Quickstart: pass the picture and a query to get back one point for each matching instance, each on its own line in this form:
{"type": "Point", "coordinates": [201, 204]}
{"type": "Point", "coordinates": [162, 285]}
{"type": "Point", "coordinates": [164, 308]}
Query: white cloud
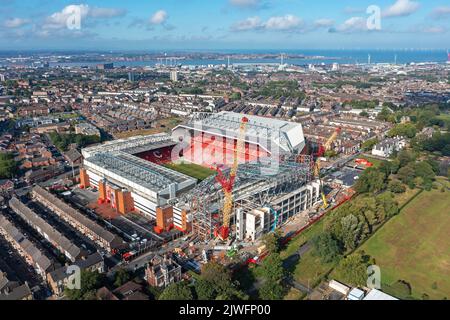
{"type": "Point", "coordinates": [15, 23]}
{"type": "Point", "coordinates": [159, 17]}
{"type": "Point", "coordinates": [287, 22]}
{"type": "Point", "coordinates": [251, 23]}
{"type": "Point", "coordinates": [245, 3]}
{"type": "Point", "coordinates": [279, 23]}
{"type": "Point", "coordinates": [441, 12]}
{"type": "Point", "coordinates": [322, 23]}
{"type": "Point", "coordinates": [401, 8]}
{"type": "Point", "coordinates": [106, 12]}
{"type": "Point", "coordinates": [59, 19]}
{"type": "Point", "coordinates": [354, 24]}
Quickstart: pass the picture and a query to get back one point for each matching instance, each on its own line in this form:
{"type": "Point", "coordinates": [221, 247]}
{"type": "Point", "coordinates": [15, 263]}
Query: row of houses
{"type": "Point", "coordinates": [59, 241]}
{"type": "Point", "coordinates": [91, 229]}
{"type": "Point", "coordinates": [33, 255]}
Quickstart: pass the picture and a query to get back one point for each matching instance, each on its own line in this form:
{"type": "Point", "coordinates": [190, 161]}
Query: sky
{"type": "Point", "coordinates": [224, 24]}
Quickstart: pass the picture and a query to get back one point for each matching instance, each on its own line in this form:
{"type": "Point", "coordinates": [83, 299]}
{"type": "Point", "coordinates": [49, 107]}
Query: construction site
{"type": "Point", "coordinates": [262, 180]}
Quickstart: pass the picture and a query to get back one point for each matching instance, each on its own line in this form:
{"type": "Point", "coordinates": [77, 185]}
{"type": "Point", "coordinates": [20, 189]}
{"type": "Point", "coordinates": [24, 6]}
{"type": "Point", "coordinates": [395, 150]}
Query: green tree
{"type": "Point", "coordinates": [121, 277]}
{"type": "Point", "coordinates": [369, 144]}
{"type": "Point", "coordinates": [327, 247]}
{"type": "Point", "coordinates": [371, 180]}
{"type": "Point", "coordinates": [205, 290]}
{"type": "Point", "coordinates": [271, 290]}
{"type": "Point", "coordinates": [8, 166]}
{"type": "Point", "coordinates": [272, 267]}
{"type": "Point", "coordinates": [90, 282]}
{"type": "Point", "coordinates": [396, 187]}
{"type": "Point", "coordinates": [406, 174]}
{"type": "Point", "coordinates": [217, 274]}
{"type": "Point", "coordinates": [272, 241]}
{"type": "Point", "coordinates": [404, 157]}
{"type": "Point", "coordinates": [353, 270]}
{"type": "Point", "coordinates": [177, 291]}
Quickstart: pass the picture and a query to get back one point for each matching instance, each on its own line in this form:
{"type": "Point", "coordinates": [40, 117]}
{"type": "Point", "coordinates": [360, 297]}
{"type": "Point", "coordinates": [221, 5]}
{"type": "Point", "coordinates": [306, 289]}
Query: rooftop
{"type": "Point", "coordinates": [288, 135]}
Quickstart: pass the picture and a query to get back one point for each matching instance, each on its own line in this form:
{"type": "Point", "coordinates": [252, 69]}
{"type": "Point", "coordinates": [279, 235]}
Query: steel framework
{"type": "Point", "coordinates": [255, 186]}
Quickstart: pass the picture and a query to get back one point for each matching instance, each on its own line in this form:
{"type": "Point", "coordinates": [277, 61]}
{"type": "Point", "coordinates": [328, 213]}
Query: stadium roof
{"type": "Point", "coordinates": [287, 135]}
{"type": "Point", "coordinates": [117, 160]}
{"type": "Point", "coordinates": [133, 145]}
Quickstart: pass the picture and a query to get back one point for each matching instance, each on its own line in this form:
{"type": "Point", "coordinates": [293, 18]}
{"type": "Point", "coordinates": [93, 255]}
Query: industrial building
{"type": "Point", "coordinates": [59, 241]}
{"type": "Point", "coordinates": [96, 233]}
{"type": "Point", "coordinates": [274, 181]}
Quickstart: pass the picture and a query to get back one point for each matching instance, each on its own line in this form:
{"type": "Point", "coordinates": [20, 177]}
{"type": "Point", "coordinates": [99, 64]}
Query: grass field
{"type": "Point", "coordinates": [415, 247]}
{"type": "Point", "coordinates": [192, 170]}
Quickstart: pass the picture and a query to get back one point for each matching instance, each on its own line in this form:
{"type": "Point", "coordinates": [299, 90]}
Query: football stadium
{"type": "Point", "coordinates": [244, 173]}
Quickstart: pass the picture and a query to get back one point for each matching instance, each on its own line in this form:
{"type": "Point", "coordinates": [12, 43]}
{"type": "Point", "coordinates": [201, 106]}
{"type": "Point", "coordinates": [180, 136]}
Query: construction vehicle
{"type": "Point", "coordinates": [322, 150]}
{"type": "Point", "coordinates": [228, 183]}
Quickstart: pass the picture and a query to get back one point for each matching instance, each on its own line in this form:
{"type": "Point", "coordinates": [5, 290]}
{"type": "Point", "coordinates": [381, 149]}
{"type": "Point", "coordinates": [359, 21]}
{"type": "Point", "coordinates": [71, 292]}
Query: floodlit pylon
{"type": "Point", "coordinates": [228, 184]}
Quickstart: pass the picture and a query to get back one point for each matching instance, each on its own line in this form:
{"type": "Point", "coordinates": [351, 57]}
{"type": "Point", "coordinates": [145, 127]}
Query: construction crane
{"type": "Point", "coordinates": [228, 183]}
{"type": "Point", "coordinates": [322, 150]}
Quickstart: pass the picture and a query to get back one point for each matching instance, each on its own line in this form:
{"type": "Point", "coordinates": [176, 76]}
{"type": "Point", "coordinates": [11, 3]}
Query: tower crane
{"type": "Point", "coordinates": [322, 149]}
{"type": "Point", "coordinates": [228, 184]}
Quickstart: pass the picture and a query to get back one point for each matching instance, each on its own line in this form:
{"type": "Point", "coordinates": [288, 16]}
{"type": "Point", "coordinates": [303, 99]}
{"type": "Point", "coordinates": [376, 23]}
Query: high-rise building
{"type": "Point", "coordinates": [105, 66]}
{"type": "Point", "coordinates": [174, 76]}
{"type": "Point", "coordinates": [131, 76]}
{"type": "Point", "coordinates": [2, 78]}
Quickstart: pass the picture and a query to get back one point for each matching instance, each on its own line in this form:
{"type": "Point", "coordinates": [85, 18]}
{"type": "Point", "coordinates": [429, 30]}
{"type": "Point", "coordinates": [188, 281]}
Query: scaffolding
{"type": "Point", "coordinates": [253, 188]}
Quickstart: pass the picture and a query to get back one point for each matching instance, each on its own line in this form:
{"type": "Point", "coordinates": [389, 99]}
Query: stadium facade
{"type": "Point", "coordinates": [271, 186]}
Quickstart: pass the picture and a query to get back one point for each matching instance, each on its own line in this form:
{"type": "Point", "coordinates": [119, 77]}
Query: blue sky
{"type": "Point", "coordinates": [223, 24]}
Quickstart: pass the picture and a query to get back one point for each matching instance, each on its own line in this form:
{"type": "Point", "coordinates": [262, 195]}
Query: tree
{"type": "Point", "coordinates": [272, 242]}
{"type": "Point", "coordinates": [90, 282]}
{"type": "Point", "coordinates": [352, 231]}
{"type": "Point", "coordinates": [371, 180]}
{"type": "Point", "coordinates": [327, 247]}
{"type": "Point", "coordinates": [404, 130]}
{"type": "Point", "coordinates": [205, 290]}
{"type": "Point", "coordinates": [364, 114]}
{"type": "Point", "coordinates": [218, 275]}
{"type": "Point", "coordinates": [8, 166]}
{"type": "Point", "coordinates": [396, 187]}
{"type": "Point", "coordinates": [353, 270]}
{"type": "Point", "coordinates": [121, 277]}
{"type": "Point", "coordinates": [177, 291]}
{"type": "Point", "coordinates": [386, 206]}
{"type": "Point", "coordinates": [369, 144]}
{"type": "Point", "coordinates": [404, 157]}
{"type": "Point", "coordinates": [406, 174]}
{"type": "Point", "coordinates": [272, 267]}
{"type": "Point", "coordinates": [271, 290]}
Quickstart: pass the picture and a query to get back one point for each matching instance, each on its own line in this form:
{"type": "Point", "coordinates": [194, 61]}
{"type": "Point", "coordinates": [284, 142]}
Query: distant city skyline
{"type": "Point", "coordinates": [224, 24]}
